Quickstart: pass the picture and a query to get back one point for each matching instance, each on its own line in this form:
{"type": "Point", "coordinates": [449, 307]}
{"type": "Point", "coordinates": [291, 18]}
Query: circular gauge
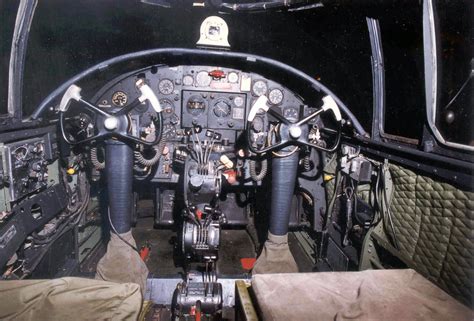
{"type": "Point", "coordinates": [233, 77]}
{"type": "Point", "coordinates": [259, 88]}
{"type": "Point", "coordinates": [275, 96]}
{"type": "Point", "coordinates": [203, 79]}
{"type": "Point", "coordinates": [166, 87]}
{"type": "Point", "coordinates": [167, 106]}
{"type": "Point", "coordinates": [291, 113]}
{"type": "Point", "coordinates": [222, 108]}
{"type": "Point", "coordinates": [119, 98]}
{"type": "Point", "coordinates": [238, 101]}
{"type": "Point", "coordinates": [196, 105]}
{"type": "Point", "coordinates": [20, 153]}
{"type": "Point", "coordinates": [188, 80]}
{"type": "Point", "coordinates": [169, 131]}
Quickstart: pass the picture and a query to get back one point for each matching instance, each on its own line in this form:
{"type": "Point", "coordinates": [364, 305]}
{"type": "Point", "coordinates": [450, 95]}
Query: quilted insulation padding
{"type": "Point", "coordinates": [434, 224]}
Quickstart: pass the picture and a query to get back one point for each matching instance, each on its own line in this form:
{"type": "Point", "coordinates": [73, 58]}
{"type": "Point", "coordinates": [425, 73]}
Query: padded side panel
{"type": "Point", "coordinates": [434, 226]}
{"type": "Point", "coordinates": [407, 221]}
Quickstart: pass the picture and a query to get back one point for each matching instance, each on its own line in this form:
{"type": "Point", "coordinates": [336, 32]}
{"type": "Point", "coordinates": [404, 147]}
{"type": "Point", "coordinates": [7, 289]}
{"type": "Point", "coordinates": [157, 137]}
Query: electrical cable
{"type": "Point", "coordinates": [118, 235]}
{"type": "Point", "coordinates": [253, 170]}
{"type": "Point", "coordinates": [273, 130]}
{"type": "Point", "coordinates": [149, 162]}
{"type": "Point", "coordinates": [95, 160]}
{"type": "Point", "coordinates": [307, 163]}
{"type": "Point", "coordinates": [280, 155]}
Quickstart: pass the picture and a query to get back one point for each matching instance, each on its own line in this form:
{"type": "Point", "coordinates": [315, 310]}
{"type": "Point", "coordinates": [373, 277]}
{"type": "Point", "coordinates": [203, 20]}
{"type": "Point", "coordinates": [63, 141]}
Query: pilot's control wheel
{"type": "Point", "coordinates": [100, 123]}
{"type": "Point", "coordinates": [299, 132]}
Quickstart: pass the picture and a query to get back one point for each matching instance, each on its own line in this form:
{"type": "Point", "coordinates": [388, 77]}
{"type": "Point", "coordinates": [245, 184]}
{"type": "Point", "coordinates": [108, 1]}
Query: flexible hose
{"type": "Point", "coordinates": [151, 161]}
{"type": "Point", "coordinates": [95, 161]}
{"type": "Point", "coordinates": [253, 170]}
{"type": "Point", "coordinates": [119, 169]}
{"type": "Point", "coordinates": [284, 172]}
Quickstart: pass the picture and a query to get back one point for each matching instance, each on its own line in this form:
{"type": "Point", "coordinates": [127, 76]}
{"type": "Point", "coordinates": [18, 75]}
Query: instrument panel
{"type": "Point", "coordinates": [207, 96]}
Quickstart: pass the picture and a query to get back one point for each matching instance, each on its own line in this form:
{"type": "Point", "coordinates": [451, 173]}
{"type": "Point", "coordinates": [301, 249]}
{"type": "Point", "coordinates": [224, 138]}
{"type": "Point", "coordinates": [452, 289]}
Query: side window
{"type": "Point", "coordinates": [454, 108]}
{"type": "Point", "coordinates": [402, 43]}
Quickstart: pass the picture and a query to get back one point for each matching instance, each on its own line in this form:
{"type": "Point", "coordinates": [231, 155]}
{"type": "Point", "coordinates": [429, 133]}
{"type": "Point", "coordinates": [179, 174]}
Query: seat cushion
{"type": "Point", "coordinates": [69, 299]}
{"type": "Point", "coordinates": [366, 295]}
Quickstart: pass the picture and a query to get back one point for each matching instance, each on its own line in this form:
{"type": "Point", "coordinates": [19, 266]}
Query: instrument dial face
{"type": "Point", "coordinates": [188, 80]}
{"type": "Point", "coordinates": [169, 130]}
{"type": "Point", "coordinates": [203, 79]}
{"type": "Point", "coordinates": [196, 105]}
{"type": "Point", "coordinates": [119, 98]}
{"type": "Point", "coordinates": [233, 77]}
{"type": "Point", "coordinates": [291, 113]}
{"type": "Point", "coordinates": [259, 88]}
{"type": "Point", "coordinates": [166, 87]}
{"type": "Point", "coordinates": [238, 101]}
{"type": "Point", "coordinates": [20, 153]}
{"type": "Point", "coordinates": [275, 96]}
{"type": "Point", "coordinates": [222, 108]}
{"type": "Point", "coordinates": [168, 107]}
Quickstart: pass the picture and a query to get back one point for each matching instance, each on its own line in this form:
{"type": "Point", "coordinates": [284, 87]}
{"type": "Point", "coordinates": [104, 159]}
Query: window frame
{"type": "Point", "coordinates": [378, 79]}
{"type": "Point", "coordinates": [431, 74]}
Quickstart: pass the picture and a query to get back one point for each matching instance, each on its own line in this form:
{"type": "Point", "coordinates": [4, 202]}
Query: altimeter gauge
{"type": "Point", "coordinates": [259, 88]}
{"type": "Point", "coordinates": [119, 98]}
{"type": "Point", "coordinates": [166, 87]}
{"type": "Point", "coordinates": [275, 96]}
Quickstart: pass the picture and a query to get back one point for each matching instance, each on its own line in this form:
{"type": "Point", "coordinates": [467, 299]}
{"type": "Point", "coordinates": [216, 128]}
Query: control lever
{"type": "Point", "coordinates": [349, 195]}
{"type": "Point", "coordinates": [148, 94]}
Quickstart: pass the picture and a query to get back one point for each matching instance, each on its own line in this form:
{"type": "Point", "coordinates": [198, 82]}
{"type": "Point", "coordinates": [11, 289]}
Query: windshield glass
{"type": "Point", "coordinates": [328, 44]}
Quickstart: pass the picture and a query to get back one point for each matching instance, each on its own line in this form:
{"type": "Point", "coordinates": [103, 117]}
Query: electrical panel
{"type": "Point", "coordinates": [24, 166]}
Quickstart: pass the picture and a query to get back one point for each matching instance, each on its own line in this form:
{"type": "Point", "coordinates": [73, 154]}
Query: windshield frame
{"type": "Point", "coordinates": [21, 30]}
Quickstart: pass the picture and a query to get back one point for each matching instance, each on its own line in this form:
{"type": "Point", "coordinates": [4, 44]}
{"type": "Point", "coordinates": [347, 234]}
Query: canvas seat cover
{"type": "Point", "coordinates": [121, 263]}
{"type": "Point", "coordinates": [69, 298]}
{"type": "Point", "coordinates": [276, 256]}
{"type": "Point", "coordinates": [368, 295]}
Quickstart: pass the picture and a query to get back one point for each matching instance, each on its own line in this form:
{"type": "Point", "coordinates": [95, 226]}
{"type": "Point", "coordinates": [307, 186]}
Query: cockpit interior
{"type": "Point", "coordinates": [256, 160]}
